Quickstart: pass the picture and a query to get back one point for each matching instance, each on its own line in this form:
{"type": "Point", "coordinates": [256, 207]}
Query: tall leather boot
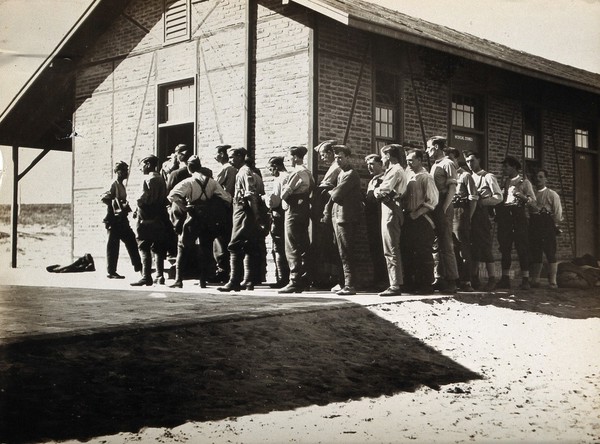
{"type": "Point", "coordinates": [283, 269]}
{"type": "Point", "coordinates": [248, 281]}
{"type": "Point", "coordinates": [236, 262]}
{"type": "Point", "coordinates": [146, 279]}
{"type": "Point", "coordinates": [160, 268]}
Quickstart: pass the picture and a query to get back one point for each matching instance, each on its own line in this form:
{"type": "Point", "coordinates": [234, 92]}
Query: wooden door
{"type": "Point", "coordinates": [586, 204]}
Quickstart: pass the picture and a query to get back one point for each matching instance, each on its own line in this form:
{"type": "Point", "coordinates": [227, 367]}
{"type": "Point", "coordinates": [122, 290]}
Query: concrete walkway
{"type": "Point", "coordinates": [35, 304]}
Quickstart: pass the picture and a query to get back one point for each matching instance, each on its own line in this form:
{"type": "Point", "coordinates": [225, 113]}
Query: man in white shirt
{"type": "Point", "coordinates": [543, 227]}
{"type": "Point", "coordinates": [481, 226]}
{"type": "Point", "coordinates": [389, 193]}
{"type": "Point", "coordinates": [193, 191]}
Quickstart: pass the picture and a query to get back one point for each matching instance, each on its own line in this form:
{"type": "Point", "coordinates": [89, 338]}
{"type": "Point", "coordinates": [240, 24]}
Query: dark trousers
{"type": "Point", "coordinates": [297, 240]}
{"type": "Point", "coordinates": [118, 233]}
{"type": "Point", "coordinates": [542, 238]}
{"type": "Point", "coordinates": [221, 248]}
{"type": "Point", "coordinates": [481, 236]}
{"type": "Point", "coordinates": [462, 242]}
{"type": "Point", "coordinates": [416, 246]}
{"type": "Point", "coordinates": [346, 242]}
{"type": "Point", "coordinates": [282, 268]}
{"type": "Point", "coordinates": [513, 228]}
{"type": "Point", "coordinates": [244, 242]}
{"type": "Point", "coordinates": [148, 249]}
{"type": "Point", "coordinates": [188, 253]}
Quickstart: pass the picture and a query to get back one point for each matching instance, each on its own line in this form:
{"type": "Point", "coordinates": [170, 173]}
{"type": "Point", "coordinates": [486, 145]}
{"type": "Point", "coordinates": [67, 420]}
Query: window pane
{"type": "Point", "coordinates": [463, 111]}
{"type": "Point", "coordinates": [581, 138]}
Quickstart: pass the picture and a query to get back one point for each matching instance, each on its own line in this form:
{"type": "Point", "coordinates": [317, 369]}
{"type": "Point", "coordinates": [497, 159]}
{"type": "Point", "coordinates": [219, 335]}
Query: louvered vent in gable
{"type": "Point", "coordinates": [177, 20]}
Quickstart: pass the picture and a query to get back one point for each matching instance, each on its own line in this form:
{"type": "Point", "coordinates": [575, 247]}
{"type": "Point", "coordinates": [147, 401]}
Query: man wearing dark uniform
{"type": "Point", "coordinates": [273, 201]}
{"type": "Point", "coordinates": [245, 219]}
{"type": "Point", "coordinates": [117, 224]}
{"type": "Point", "coordinates": [296, 197]}
{"type": "Point", "coordinates": [152, 222]}
{"type": "Point", "coordinates": [176, 162]}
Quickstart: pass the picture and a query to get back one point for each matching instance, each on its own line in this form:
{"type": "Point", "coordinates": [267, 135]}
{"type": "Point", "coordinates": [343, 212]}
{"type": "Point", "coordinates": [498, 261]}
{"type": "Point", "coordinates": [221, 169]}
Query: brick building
{"type": "Point", "coordinates": [144, 75]}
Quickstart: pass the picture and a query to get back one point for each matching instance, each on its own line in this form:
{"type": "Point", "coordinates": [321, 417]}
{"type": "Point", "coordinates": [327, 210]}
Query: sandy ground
{"type": "Point", "coordinates": [528, 366]}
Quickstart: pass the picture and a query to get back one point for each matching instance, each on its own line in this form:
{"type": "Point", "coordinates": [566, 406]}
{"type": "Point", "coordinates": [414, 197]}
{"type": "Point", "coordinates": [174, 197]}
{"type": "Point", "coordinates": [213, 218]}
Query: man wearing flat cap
{"type": "Point", "coordinates": [175, 161]}
{"type": "Point", "coordinates": [188, 194]}
{"type": "Point", "coordinates": [344, 211]}
{"type": "Point", "coordinates": [245, 219]}
{"type": "Point", "coordinates": [389, 193]}
{"type": "Point", "coordinates": [373, 221]}
{"type": "Point", "coordinates": [117, 224]}
{"type": "Point", "coordinates": [274, 203]}
{"type": "Point", "coordinates": [296, 202]}
{"type": "Point", "coordinates": [152, 222]}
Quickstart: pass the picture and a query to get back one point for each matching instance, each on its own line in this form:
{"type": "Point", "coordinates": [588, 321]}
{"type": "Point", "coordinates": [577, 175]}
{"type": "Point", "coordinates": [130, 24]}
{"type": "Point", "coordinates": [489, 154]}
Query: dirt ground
{"type": "Point", "coordinates": [502, 367]}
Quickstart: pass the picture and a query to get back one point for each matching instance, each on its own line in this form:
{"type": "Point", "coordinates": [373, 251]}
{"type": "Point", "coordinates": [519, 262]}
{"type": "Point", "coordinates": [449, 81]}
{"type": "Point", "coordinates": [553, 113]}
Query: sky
{"type": "Point", "coordinates": [566, 31]}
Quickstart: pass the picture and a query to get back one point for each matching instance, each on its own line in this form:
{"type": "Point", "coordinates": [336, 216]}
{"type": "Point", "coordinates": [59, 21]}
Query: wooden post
{"type": "Point", "coordinates": [15, 206]}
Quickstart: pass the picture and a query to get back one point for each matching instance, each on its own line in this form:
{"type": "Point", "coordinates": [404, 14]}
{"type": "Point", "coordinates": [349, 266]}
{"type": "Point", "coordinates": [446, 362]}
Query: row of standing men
{"type": "Point", "coordinates": [427, 231]}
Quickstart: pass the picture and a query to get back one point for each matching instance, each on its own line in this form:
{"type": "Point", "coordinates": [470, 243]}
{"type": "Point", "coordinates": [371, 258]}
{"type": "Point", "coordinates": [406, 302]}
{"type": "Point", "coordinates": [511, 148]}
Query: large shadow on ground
{"type": "Point", "coordinates": [85, 386]}
{"type": "Point", "coordinates": [563, 302]}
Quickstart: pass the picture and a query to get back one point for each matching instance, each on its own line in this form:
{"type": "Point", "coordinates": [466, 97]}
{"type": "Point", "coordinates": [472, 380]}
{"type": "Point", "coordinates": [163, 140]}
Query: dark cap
{"type": "Point", "coordinates": [151, 159]}
{"type": "Point", "coordinates": [375, 157]}
{"type": "Point", "coordinates": [222, 149]}
{"type": "Point", "coordinates": [181, 148]}
{"type": "Point", "coordinates": [342, 149]}
{"type": "Point", "coordinates": [326, 145]}
{"type": "Point", "coordinates": [299, 151]}
{"type": "Point", "coordinates": [120, 166]}
{"type": "Point", "coordinates": [275, 161]}
{"type": "Point", "coordinates": [194, 160]}
{"type": "Point", "coordinates": [237, 152]}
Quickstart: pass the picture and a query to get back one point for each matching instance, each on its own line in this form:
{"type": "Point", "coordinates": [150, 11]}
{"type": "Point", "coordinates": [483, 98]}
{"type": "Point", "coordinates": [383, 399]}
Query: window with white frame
{"type": "Point", "coordinates": [176, 115]}
{"type": "Point", "coordinates": [464, 110]}
{"type": "Point", "coordinates": [177, 20]}
{"type": "Point", "coordinates": [386, 110]}
{"type": "Point", "coordinates": [532, 147]}
{"type": "Point", "coordinates": [467, 124]}
{"type": "Point", "coordinates": [529, 146]}
{"type": "Point", "coordinates": [582, 138]}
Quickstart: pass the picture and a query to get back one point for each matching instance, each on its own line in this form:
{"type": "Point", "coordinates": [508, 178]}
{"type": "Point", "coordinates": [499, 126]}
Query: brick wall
{"type": "Point", "coordinates": [116, 93]}
{"type": "Point", "coordinates": [117, 88]}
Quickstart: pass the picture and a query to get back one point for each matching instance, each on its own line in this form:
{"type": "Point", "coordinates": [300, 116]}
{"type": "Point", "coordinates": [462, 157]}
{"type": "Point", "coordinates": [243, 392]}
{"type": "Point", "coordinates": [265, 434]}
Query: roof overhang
{"type": "Point", "coordinates": [498, 55]}
{"type": "Point", "coordinates": [39, 115]}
